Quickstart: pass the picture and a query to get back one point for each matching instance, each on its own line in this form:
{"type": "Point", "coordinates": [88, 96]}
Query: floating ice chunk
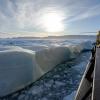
{"type": "Point", "coordinates": [18, 69]}
{"type": "Point", "coordinates": [48, 58]}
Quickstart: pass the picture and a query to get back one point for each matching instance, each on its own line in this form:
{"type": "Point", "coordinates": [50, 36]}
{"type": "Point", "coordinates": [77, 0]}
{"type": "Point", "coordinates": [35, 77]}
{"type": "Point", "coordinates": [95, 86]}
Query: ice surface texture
{"type": "Point", "coordinates": [17, 69]}
{"type": "Point", "coordinates": [20, 67]}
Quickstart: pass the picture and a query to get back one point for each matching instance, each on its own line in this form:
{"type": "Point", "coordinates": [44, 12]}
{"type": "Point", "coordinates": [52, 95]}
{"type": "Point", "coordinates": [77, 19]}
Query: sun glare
{"type": "Point", "coordinates": [52, 22]}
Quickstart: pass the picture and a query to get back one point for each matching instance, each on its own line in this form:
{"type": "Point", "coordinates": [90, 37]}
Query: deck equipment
{"type": "Point", "coordinates": [89, 88]}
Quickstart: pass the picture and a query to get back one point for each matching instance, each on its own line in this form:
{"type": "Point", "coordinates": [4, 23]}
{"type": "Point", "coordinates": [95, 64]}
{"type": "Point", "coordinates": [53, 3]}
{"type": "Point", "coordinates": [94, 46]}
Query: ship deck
{"type": "Point", "coordinates": [96, 81]}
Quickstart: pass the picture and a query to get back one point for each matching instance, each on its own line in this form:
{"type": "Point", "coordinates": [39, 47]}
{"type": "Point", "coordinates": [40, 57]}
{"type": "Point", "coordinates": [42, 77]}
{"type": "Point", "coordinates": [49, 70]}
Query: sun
{"type": "Point", "coordinates": [52, 22]}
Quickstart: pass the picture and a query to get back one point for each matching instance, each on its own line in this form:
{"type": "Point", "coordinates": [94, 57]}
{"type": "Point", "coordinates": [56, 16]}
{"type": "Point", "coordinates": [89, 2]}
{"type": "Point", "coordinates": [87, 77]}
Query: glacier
{"type": "Point", "coordinates": [20, 66]}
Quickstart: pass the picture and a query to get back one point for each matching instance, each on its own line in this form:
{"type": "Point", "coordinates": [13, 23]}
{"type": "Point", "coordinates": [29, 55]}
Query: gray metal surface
{"type": "Point", "coordinates": [96, 81]}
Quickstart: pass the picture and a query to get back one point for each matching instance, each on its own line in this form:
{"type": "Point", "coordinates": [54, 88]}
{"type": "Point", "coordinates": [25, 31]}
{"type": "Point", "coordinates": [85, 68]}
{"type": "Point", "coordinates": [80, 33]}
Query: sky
{"type": "Point", "coordinates": [48, 17]}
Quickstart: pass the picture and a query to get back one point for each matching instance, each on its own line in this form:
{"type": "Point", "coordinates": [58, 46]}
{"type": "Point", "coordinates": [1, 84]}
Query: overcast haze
{"type": "Point", "coordinates": [36, 17]}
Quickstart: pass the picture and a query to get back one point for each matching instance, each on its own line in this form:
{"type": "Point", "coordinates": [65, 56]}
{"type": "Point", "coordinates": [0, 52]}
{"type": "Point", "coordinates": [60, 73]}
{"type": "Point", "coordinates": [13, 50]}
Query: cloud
{"type": "Point", "coordinates": [24, 15]}
{"type": "Point", "coordinates": [28, 11]}
{"type": "Point", "coordinates": [87, 13]}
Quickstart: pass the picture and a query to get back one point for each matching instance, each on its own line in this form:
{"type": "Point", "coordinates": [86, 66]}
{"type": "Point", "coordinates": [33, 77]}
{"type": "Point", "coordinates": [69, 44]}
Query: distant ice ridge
{"type": "Point", "coordinates": [19, 67]}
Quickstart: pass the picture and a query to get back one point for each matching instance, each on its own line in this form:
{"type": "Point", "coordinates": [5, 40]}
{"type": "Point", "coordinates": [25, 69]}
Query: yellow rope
{"type": "Point", "coordinates": [98, 39]}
